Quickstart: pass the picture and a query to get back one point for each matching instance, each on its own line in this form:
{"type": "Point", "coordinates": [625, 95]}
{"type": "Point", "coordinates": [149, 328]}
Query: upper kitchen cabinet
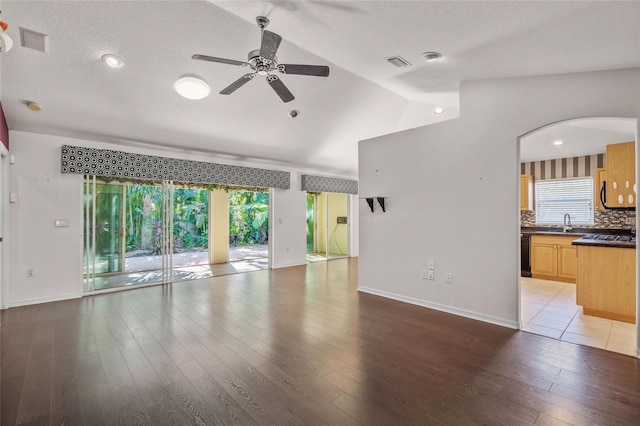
{"type": "Point", "coordinates": [526, 192]}
{"type": "Point", "coordinates": [621, 175]}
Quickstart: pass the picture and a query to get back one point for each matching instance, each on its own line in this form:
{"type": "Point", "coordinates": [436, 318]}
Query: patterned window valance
{"type": "Point", "coordinates": [108, 163]}
{"type": "Point", "coordinates": [327, 184]}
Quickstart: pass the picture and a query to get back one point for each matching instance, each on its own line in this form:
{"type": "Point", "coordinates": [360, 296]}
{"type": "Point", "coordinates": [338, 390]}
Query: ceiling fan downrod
{"type": "Point", "coordinates": [262, 22]}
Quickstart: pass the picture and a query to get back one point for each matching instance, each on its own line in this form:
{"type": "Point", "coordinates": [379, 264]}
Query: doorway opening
{"type": "Point", "coordinates": [327, 226]}
{"type": "Point", "coordinates": [248, 230]}
{"type": "Point", "coordinates": [563, 168]}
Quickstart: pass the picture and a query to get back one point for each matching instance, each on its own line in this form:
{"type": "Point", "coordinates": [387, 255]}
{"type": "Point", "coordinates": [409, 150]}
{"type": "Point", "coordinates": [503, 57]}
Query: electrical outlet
{"type": "Point", "coordinates": [425, 274]}
{"type": "Point", "coordinates": [430, 274]}
{"type": "Point", "coordinates": [430, 264]}
{"type": "Point", "coordinates": [30, 273]}
{"type": "Point", "coordinates": [630, 220]}
{"type": "Point", "coordinates": [448, 277]}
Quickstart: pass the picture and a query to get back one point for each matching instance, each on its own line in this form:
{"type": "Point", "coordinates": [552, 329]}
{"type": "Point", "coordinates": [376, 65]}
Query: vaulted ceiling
{"type": "Point", "coordinates": [364, 95]}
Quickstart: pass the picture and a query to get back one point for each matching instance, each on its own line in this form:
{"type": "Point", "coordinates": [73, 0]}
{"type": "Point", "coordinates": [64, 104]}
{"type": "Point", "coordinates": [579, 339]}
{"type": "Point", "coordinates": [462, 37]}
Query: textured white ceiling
{"type": "Point", "coordinates": [363, 97]}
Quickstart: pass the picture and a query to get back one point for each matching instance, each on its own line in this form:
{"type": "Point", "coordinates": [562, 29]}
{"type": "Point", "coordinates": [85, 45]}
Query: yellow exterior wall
{"type": "Point", "coordinates": [338, 233]}
{"type": "Point", "coordinates": [321, 222]}
{"type": "Point", "coordinates": [219, 226]}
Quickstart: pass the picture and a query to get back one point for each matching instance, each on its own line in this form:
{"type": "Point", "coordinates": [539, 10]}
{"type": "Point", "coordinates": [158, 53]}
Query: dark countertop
{"type": "Point", "coordinates": [546, 230]}
{"type": "Point", "coordinates": [617, 241]}
{"type": "Point", "coordinates": [620, 238]}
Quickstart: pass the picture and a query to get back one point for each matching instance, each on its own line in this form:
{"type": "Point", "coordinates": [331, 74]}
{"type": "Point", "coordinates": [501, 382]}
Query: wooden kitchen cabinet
{"type": "Point", "coordinates": [567, 262]}
{"type": "Point", "coordinates": [621, 175]}
{"type": "Point", "coordinates": [553, 257]}
{"type": "Point", "coordinates": [599, 178]}
{"type": "Point", "coordinates": [526, 192]}
{"type": "Point", "coordinates": [544, 259]}
{"type": "Point", "coordinates": [606, 284]}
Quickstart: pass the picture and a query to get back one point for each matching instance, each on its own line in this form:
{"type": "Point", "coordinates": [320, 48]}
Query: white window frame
{"type": "Point", "coordinates": [577, 200]}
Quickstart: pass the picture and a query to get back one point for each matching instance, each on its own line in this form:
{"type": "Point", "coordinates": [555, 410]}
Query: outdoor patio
{"type": "Point", "coordinates": [187, 266]}
{"type": "Point", "coordinates": [192, 258]}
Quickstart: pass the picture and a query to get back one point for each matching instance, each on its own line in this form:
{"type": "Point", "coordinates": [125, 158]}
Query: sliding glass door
{"type": "Point", "coordinates": [103, 247]}
{"type": "Point", "coordinates": [128, 236]}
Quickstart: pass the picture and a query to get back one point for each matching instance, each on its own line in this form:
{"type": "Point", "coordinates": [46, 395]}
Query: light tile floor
{"type": "Point", "coordinates": [549, 309]}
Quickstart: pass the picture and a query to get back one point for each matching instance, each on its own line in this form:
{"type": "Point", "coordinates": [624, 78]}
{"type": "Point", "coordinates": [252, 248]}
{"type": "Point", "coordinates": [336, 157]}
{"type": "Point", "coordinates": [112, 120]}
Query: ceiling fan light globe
{"type": "Point", "coordinates": [192, 88]}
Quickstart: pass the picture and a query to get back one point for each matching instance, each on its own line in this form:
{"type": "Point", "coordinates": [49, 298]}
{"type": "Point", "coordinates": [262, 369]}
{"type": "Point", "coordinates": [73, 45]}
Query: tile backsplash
{"type": "Point", "coordinates": [606, 219]}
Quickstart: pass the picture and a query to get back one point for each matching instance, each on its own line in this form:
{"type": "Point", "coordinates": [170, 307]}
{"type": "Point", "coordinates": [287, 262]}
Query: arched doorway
{"type": "Point", "coordinates": [563, 167]}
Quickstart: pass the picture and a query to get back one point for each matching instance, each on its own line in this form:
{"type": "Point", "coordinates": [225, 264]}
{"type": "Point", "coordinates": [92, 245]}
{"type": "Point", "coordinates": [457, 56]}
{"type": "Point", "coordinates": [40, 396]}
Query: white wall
{"type": "Point", "coordinates": [354, 225]}
{"type": "Point", "coordinates": [55, 254]}
{"type": "Point", "coordinates": [44, 195]}
{"type": "Point", "coordinates": [452, 191]}
{"type": "Point", "coordinates": [289, 225]}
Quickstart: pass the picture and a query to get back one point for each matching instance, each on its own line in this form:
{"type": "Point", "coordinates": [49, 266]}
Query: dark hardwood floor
{"type": "Point", "coordinates": [294, 346]}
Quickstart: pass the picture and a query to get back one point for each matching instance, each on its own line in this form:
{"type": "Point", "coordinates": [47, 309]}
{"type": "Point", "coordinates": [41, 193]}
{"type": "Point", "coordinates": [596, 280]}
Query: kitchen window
{"type": "Point", "coordinates": [557, 197]}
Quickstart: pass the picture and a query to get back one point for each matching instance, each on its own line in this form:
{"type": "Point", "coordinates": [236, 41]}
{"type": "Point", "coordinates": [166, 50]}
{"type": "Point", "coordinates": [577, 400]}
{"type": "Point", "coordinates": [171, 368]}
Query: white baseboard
{"type": "Point", "coordinates": [26, 302]}
{"type": "Point", "coordinates": [444, 308]}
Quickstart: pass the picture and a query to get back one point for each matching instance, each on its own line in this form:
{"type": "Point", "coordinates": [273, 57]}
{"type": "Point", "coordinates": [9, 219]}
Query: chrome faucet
{"type": "Point", "coordinates": [567, 223]}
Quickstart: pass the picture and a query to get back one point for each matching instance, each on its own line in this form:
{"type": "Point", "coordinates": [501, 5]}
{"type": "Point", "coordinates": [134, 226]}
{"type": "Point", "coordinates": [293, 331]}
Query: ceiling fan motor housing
{"type": "Point", "coordinates": [259, 64]}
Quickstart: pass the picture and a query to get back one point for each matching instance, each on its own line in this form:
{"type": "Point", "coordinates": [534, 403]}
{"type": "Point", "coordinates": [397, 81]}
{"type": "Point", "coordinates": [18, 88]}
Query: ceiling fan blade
{"type": "Point", "coordinates": [316, 70]}
{"type": "Point", "coordinates": [280, 88]}
{"type": "Point", "coordinates": [237, 84]}
{"type": "Point", "coordinates": [220, 60]}
{"type": "Point", "coordinates": [270, 43]}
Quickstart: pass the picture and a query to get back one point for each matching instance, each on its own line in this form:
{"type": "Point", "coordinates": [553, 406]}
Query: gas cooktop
{"type": "Point", "coordinates": [609, 238]}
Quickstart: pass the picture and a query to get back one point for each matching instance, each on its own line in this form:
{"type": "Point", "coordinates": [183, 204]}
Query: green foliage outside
{"type": "Point", "coordinates": [144, 218]}
{"type": "Point", "coordinates": [311, 201]}
{"type": "Point", "coordinates": [248, 217]}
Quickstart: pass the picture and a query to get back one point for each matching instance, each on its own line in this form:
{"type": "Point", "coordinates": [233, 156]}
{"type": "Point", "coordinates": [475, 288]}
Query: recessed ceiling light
{"type": "Point", "coordinates": [558, 143]}
{"type": "Point", "coordinates": [112, 60]}
{"type": "Point", "coordinates": [438, 110]}
{"type": "Point", "coordinates": [432, 56]}
{"type": "Point", "coordinates": [192, 88]}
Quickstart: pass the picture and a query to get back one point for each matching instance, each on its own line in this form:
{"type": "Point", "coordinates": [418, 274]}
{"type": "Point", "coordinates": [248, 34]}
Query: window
{"type": "Point", "coordinates": [555, 198]}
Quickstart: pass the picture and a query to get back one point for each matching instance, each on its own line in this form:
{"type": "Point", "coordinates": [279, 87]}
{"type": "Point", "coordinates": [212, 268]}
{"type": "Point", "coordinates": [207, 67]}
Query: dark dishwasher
{"type": "Point", "coordinates": [525, 255]}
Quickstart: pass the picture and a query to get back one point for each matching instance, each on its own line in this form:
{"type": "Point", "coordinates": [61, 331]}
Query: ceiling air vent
{"type": "Point", "coordinates": [398, 61]}
{"type": "Point", "coordinates": [34, 40]}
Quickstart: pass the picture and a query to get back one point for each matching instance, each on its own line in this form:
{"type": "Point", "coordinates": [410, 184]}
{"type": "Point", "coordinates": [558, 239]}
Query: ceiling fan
{"type": "Point", "coordinates": [263, 61]}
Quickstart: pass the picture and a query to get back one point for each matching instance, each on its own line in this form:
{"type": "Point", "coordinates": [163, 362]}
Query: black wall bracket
{"type": "Point", "coordinates": [370, 202]}
{"type": "Point", "coordinates": [380, 201]}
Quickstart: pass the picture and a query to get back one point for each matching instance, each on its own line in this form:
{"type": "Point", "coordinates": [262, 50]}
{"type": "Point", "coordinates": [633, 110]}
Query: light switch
{"type": "Point", "coordinates": [62, 223]}
{"type": "Point", "coordinates": [13, 197]}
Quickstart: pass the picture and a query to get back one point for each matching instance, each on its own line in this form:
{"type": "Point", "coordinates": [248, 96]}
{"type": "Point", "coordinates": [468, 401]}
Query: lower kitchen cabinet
{"type": "Point", "coordinates": [554, 258]}
{"type": "Point", "coordinates": [567, 262]}
{"type": "Point", "coordinates": [606, 285]}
